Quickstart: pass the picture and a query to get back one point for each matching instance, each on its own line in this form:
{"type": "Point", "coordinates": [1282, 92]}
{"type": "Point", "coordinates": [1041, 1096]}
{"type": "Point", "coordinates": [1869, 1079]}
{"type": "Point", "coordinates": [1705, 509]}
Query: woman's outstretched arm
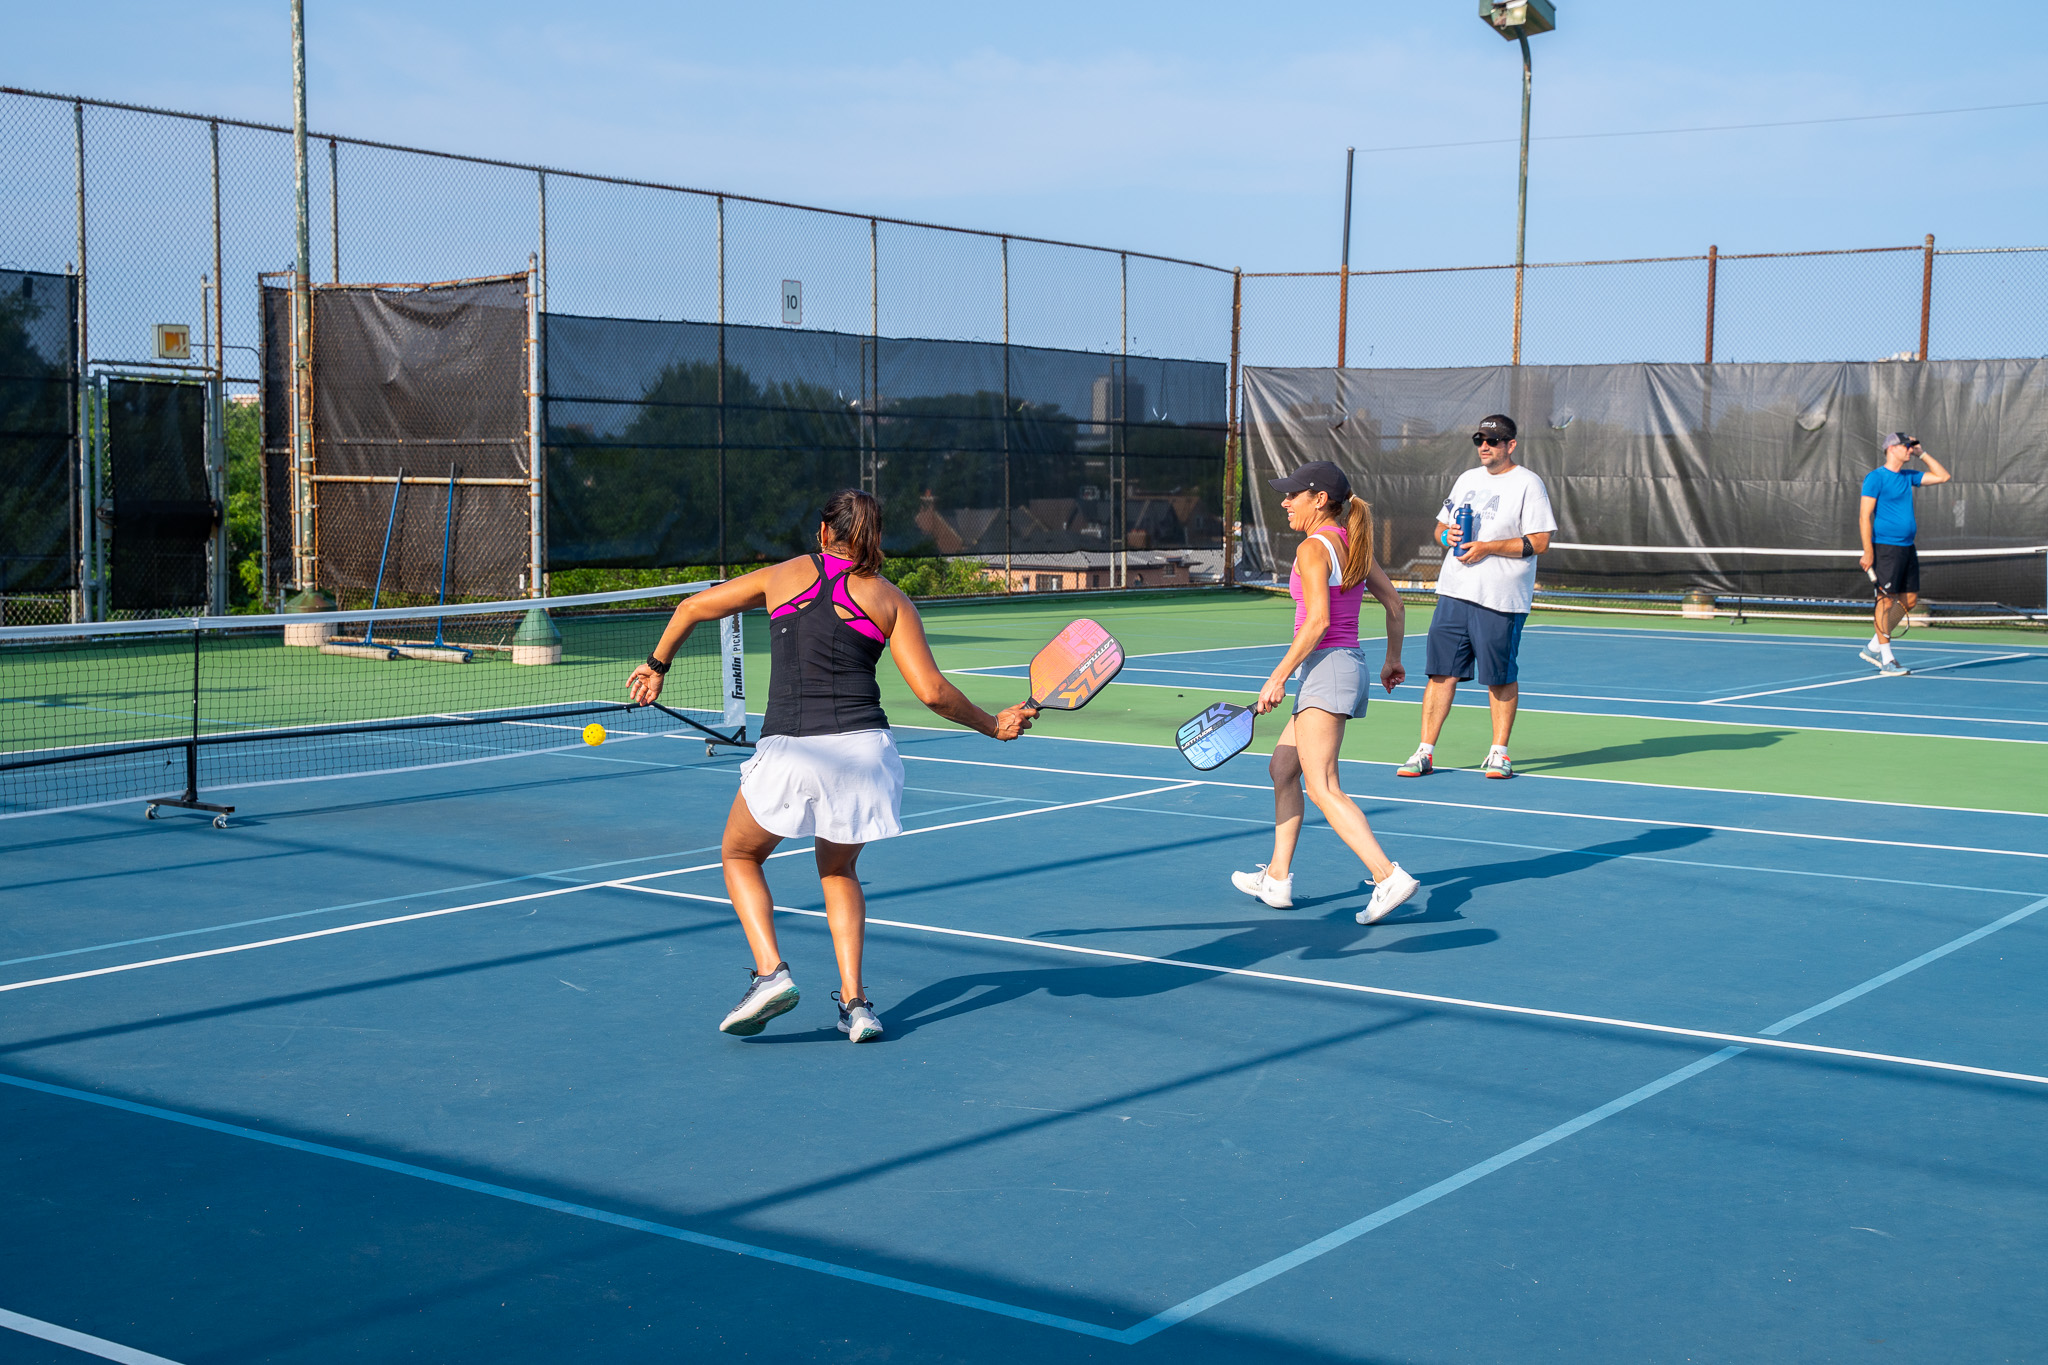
{"type": "Point", "coordinates": [722, 599]}
{"type": "Point", "coordinates": [914, 659]}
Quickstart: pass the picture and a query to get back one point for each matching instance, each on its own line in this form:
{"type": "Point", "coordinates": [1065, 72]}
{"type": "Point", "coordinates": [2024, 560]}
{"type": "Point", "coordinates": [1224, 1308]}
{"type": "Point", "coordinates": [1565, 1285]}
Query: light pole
{"type": "Point", "coordinates": [1518, 19]}
{"type": "Point", "coordinates": [302, 324]}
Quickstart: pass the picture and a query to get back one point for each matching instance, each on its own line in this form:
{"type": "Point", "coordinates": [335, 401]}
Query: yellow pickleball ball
{"type": "Point", "coordinates": [593, 733]}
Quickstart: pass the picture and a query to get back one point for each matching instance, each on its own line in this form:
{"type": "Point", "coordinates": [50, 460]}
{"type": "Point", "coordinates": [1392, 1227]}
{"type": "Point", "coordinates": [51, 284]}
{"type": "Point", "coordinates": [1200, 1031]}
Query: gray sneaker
{"type": "Point", "coordinates": [1892, 668]}
{"type": "Point", "coordinates": [766, 997]}
{"type": "Point", "coordinates": [1388, 895]}
{"type": "Point", "coordinates": [857, 1020]}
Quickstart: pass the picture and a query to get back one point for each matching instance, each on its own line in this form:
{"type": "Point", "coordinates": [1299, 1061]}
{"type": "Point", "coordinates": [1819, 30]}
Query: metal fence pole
{"type": "Point", "coordinates": [1926, 294]}
{"type": "Point", "coordinates": [722, 560]}
{"type": "Point", "coordinates": [1009, 515]}
{"type": "Point", "coordinates": [1233, 443]}
{"type": "Point", "coordinates": [302, 319]}
{"type": "Point", "coordinates": [1713, 272]}
{"type": "Point", "coordinates": [1344, 268]}
{"type": "Point", "coordinates": [533, 429]}
{"type": "Point", "coordinates": [88, 490]}
{"type": "Point", "coordinates": [542, 178]}
{"type": "Point", "coordinates": [334, 205]}
{"type": "Point", "coordinates": [223, 545]}
{"type": "Point", "coordinates": [1117, 491]}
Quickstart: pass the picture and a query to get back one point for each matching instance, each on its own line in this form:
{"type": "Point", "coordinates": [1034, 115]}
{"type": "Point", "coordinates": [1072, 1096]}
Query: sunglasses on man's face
{"type": "Point", "coordinates": [1489, 440]}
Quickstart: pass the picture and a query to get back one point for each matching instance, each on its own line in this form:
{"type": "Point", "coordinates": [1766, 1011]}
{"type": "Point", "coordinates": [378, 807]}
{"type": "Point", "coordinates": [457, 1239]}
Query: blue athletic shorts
{"type": "Point", "coordinates": [1469, 641]}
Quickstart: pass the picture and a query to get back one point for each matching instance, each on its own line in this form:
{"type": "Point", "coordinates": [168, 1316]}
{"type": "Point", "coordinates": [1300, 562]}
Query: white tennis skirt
{"type": "Point", "coordinates": [847, 789]}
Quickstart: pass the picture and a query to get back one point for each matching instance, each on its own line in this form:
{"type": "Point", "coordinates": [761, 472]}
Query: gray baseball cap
{"type": "Point", "coordinates": [1897, 438]}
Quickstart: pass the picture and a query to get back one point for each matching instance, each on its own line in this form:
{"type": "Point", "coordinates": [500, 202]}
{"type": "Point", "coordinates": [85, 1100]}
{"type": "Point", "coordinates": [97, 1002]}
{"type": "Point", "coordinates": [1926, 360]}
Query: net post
{"type": "Point", "coordinates": [1926, 292]}
{"type": "Point", "coordinates": [732, 640]}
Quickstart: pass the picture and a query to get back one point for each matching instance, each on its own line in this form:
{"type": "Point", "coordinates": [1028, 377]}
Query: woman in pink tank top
{"type": "Point", "coordinates": [1333, 570]}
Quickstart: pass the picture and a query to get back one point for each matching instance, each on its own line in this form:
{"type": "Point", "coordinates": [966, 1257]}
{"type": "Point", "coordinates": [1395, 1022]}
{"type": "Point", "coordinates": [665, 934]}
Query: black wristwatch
{"type": "Point", "coordinates": [1528, 548]}
{"type": "Point", "coordinates": [657, 665]}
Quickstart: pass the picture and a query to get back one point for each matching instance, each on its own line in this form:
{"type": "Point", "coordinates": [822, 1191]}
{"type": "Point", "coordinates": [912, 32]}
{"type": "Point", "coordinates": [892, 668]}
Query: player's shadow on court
{"type": "Point", "coordinates": [1661, 746]}
{"type": "Point", "coordinates": [1446, 891]}
{"type": "Point", "coordinates": [1254, 943]}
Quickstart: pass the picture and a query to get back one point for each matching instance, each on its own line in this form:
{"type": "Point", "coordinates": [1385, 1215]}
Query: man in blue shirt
{"type": "Point", "coordinates": [1886, 520]}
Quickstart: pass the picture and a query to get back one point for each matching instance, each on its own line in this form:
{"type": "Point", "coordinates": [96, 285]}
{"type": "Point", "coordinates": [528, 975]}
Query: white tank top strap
{"type": "Point", "coordinates": [1336, 561]}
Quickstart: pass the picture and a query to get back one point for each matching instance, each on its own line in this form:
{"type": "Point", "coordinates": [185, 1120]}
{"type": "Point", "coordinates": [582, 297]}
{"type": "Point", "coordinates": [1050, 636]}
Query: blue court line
{"type": "Point", "coordinates": [552, 1205]}
{"type": "Point", "coordinates": [1588, 853]}
{"type": "Point", "coordinates": [1350, 1232]}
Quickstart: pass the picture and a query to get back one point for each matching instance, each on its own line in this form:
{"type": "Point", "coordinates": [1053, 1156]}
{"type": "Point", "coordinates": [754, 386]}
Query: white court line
{"type": "Point", "coordinates": [1793, 641]}
{"type": "Point", "coordinates": [1472, 705]}
{"type": "Point", "coordinates": [1492, 1007]}
{"type": "Point", "coordinates": [1557, 814]}
{"type": "Point", "coordinates": [622, 883]}
{"type": "Point", "coordinates": [1861, 677]}
{"type": "Point", "coordinates": [1591, 853]}
{"type": "Point", "coordinates": [79, 1341]}
{"type": "Point", "coordinates": [1995, 682]}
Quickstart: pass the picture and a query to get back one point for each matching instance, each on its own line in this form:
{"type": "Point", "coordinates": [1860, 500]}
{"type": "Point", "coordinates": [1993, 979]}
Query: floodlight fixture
{"type": "Point", "coordinates": [1514, 19]}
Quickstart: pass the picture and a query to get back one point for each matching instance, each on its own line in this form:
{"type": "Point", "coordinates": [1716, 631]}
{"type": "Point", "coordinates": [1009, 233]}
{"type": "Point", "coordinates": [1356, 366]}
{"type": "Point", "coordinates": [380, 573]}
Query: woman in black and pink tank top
{"type": "Point", "coordinates": [1333, 570]}
{"type": "Point", "coordinates": [825, 766]}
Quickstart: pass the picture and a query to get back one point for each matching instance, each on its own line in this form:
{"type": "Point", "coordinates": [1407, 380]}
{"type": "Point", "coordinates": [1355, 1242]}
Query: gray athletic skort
{"type": "Point", "coordinates": [1333, 680]}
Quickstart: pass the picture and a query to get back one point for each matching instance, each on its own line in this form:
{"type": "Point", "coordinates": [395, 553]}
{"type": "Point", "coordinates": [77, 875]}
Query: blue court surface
{"type": "Point", "coordinates": [1959, 690]}
{"type": "Point", "coordinates": [424, 1066]}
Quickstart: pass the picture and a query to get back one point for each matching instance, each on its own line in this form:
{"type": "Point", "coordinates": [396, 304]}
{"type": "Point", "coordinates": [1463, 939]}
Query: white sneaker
{"type": "Point", "coordinates": [1277, 892]}
{"type": "Point", "coordinates": [857, 1020]}
{"type": "Point", "coordinates": [766, 997]}
{"type": "Point", "coordinates": [1388, 895]}
{"type": "Point", "coordinates": [1871, 657]}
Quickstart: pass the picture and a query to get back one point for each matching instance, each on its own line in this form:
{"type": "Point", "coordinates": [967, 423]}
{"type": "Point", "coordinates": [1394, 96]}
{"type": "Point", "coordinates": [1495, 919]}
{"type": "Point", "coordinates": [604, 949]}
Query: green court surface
{"type": "Point", "coordinates": [1795, 757]}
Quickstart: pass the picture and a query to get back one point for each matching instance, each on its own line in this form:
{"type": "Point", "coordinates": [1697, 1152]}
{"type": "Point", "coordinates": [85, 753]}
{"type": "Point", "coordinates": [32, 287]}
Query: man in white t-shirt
{"type": "Point", "coordinates": [1484, 591]}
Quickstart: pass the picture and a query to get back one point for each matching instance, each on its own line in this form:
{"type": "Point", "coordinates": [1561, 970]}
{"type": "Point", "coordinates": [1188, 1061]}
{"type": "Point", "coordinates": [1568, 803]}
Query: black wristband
{"type": "Point", "coordinates": [657, 665]}
{"type": "Point", "coordinates": [1528, 549]}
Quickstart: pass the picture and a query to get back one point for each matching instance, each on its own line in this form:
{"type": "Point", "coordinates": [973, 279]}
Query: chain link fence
{"type": "Point", "coordinates": [1879, 303]}
{"type": "Point", "coordinates": [168, 217]}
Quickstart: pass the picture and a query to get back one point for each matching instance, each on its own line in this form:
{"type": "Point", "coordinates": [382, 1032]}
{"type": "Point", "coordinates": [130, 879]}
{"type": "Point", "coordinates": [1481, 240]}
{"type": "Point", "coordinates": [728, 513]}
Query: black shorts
{"type": "Point", "coordinates": [1897, 568]}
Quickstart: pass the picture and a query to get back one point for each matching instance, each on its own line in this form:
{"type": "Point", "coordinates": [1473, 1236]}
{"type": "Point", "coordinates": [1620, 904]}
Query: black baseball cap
{"type": "Point", "coordinates": [1499, 424]}
{"type": "Point", "coordinates": [1317, 476]}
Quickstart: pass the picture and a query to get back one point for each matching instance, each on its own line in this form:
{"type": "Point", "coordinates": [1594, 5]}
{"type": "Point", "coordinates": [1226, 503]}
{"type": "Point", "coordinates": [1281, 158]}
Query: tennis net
{"type": "Point", "coordinates": [166, 711]}
{"type": "Point", "coordinates": [1998, 586]}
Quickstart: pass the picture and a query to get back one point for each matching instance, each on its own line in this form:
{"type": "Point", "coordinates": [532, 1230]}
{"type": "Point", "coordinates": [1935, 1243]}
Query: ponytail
{"type": "Point", "coordinates": [1358, 541]}
{"type": "Point", "coordinates": [855, 520]}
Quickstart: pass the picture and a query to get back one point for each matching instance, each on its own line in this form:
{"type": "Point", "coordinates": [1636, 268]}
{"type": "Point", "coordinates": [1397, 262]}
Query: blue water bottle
{"type": "Point", "coordinates": [1468, 526]}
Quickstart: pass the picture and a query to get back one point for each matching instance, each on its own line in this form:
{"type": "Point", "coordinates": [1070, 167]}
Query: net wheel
{"type": "Point", "coordinates": [149, 812]}
{"type": "Point", "coordinates": [220, 822]}
{"type": "Point", "coordinates": [710, 749]}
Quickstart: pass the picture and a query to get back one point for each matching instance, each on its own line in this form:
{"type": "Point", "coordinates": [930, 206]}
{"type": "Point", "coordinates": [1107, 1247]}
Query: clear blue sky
{"type": "Point", "coordinates": [1194, 129]}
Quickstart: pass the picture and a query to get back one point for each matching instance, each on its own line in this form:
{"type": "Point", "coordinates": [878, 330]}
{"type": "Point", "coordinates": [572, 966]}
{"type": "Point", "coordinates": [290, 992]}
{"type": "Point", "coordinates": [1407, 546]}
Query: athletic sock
{"type": "Point", "coordinates": [1426, 750]}
{"type": "Point", "coordinates": [1497, 749]}
{"type": "Point", "coordinates": [1884, 652]}
{"type": "Point", "coordinates": [1875, 642]}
